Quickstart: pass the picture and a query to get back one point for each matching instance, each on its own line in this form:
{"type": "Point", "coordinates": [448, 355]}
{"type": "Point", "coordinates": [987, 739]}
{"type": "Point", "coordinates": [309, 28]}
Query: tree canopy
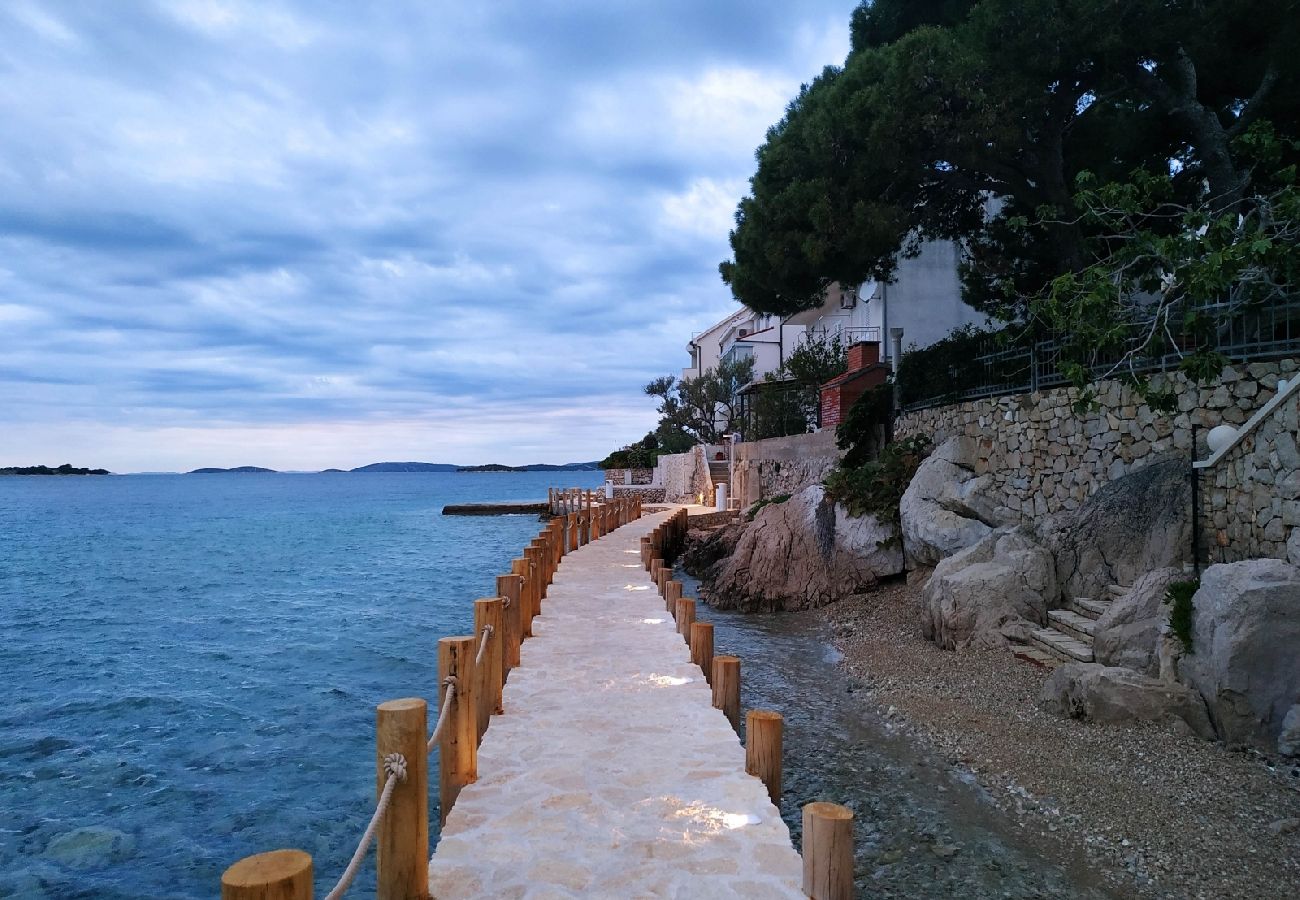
{"type": "Point", "coordinates": [974, 121]}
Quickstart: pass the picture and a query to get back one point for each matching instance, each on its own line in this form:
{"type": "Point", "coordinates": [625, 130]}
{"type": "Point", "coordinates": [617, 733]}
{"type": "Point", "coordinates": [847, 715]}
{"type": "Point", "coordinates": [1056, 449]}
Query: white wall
{"type": "Point", "coordinates": [924, 299]}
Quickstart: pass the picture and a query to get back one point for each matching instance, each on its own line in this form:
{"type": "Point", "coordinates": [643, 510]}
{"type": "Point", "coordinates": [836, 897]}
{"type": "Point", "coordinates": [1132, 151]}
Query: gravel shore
{"type": "Point", "coordinates": [1158, 812]}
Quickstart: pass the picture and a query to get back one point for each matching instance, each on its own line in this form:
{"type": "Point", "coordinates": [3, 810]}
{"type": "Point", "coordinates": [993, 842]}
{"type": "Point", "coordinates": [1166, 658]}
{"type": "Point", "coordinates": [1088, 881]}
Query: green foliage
{"type": "Point", "coordinates": [875, 488]}
{"type": "Point", "coordinates": [703, 408]}
{"type": "Point", "coordinates": [1169, 276]}
{"type": "Point", "coordinates": [789, 399]}
{"type": "Point", "coordinates": [860, 434]}
{"type": "Point", "coordinates": [943, 104]}
{"type": "Point", "coordinates": [766, 501]}
{"type": "Point", "coordinates": [1179, 598]}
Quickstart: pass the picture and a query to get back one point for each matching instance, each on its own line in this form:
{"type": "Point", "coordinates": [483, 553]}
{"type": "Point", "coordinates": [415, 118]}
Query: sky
{"type": "Point", "coordinates": [325, 234]}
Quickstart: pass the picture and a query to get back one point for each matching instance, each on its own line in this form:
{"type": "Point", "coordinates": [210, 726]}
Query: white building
{"type": "Point", "coordinates": [924, 300]}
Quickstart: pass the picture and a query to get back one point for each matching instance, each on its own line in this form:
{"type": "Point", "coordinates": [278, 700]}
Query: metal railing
{"type": "Point", "coordinates": [995, 364]}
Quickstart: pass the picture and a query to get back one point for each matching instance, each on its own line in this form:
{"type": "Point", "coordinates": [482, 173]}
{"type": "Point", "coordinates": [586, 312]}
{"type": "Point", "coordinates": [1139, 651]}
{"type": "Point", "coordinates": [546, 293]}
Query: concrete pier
{"type": "Point", "coordinates": [611, 774]}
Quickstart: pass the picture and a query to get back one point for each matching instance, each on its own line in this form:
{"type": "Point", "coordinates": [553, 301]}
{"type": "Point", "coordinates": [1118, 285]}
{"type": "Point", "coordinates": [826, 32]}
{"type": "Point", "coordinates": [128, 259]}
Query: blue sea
{"type": "Point", "coordinates": [191, 663]}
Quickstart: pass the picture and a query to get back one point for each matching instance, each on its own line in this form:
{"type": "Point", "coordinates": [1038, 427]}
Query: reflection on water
{"type": "Point", "coordinates": [922, 829]}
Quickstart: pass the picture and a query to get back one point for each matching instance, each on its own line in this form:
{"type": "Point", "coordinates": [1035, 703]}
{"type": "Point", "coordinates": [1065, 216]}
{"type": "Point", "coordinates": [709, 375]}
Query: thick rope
{"type": "Point", "coordinates": [442, 715]}
{"type": "Point", "coordinates": [483, 645]}
{"type": "Point", "coordinates": [395, 769]}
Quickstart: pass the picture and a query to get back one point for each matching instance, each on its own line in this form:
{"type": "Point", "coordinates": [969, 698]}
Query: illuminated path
{"type": "Point", "coordinates": [611, 774]}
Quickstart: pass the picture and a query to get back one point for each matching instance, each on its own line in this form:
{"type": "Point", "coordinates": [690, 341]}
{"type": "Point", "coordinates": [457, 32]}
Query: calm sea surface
{"type": "Point", "coordinates": [191, 662]}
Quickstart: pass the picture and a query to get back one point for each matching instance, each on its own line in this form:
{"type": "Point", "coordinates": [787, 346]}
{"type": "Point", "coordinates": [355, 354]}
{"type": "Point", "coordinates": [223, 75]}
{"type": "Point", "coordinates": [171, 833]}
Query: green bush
{"type": "Point", "coordinates": [753, 510]}
{"type": "Point", "coordinates": [875, 488]}
{"type": "Point", "coordinates": [1179, 598]}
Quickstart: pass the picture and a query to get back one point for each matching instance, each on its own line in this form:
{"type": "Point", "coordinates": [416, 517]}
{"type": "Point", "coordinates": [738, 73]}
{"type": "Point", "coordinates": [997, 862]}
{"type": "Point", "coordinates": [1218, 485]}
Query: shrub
{"type": "Point", "coordinates": [1179, 598]}
{"type": "Point", "coordinates": [753, 510]}
{"type": "Point", "coordinates": [875, 488]}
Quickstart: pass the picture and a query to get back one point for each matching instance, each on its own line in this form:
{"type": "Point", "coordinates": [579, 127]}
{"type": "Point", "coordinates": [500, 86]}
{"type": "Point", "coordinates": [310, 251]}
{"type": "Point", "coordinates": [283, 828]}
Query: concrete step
{"type": "Point", "coordinates": [1073, 624]}
{"type": "Point", "coordinates": [1035, 656]}
{"type": "Point", "coordinates": [1065, 647]}
{"type": "Point", "coordinates": [1089, 608]}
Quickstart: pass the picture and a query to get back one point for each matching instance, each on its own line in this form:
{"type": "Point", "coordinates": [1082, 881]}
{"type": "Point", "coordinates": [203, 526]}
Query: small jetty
{"type": "Point", "coordinates": [587, 741]}
{"type": "Point", "coordinates": [495, 509]}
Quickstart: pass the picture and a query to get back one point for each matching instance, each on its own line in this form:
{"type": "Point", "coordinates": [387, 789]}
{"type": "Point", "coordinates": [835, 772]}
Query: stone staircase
{"type": "Point", "coordinates": [1068, 635]}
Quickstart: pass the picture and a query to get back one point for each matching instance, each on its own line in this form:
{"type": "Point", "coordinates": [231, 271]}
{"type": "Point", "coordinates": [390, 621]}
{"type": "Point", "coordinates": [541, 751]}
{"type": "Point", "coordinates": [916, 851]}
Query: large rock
{"type": "Point", "coordinates": [1111, 694]}
{"type": "Point", "coordinates": [1288, 740]}
{"type": "Point", "coordinates": [1128, 634]}
{"type": "Point", "coordinates": [946, 507]}
{"type": "Point", "coordinates": [1245, 655]}
{"type": "Point", "coordinates": [1130, 526]}
{"type": "Point", "coordinates": [90, 847]}
{"type": "Point", "coordinates": [989, 593]}
{"type": "Point", "coordinates": [802, 553]}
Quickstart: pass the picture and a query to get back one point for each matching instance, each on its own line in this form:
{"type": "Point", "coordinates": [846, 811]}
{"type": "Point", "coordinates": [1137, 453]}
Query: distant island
{"type": "Point", "coordinates": [373, 467]}
{"type": "Point", "coordinates": [407, 467]}
{"type": "Point", "coordinates": [534, 467]}
{"type": "Point", "coordinates": [490, 467]}
{"type": "Point", "coordinates": [64, 469]}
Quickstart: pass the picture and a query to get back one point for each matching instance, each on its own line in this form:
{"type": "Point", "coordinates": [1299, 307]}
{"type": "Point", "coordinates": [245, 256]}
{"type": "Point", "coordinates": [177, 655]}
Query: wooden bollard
{"type": "Point", "coordinates": [488, 614]}
{"type": "Point", "coordinates": [672, 593]}
{"type": "Point", "coordinates": [508, 589]}
{"type": "Point", "coordinates": [572, 520]}
{"type": "Point", "coordinates": [277, 875]}
{"type": "Point", "coordinates": [458, 747]}
{"type": "Point", "coordinates": [763, 731]}
{"type": "Point", "coordinates": [656, 565]}
{"type": "Point", "coordinates": [522, 567]}
{"type": "Point", "coordinates": [827, 852]}
{"type": "Point", "coordinates": [402, 841]}
{"type": "Point", "coordinates": [537, 573]}
{"type": "Point", "coordinates": [685, 617]}
{"type": "Point", "coordinates": [702, 648]}
{"type": "Point", "coordinates": [536, 552]}
{"type": "Point", "coordinates": [645, 553]}
{"type": "Point", "coordinates": [557, 543]}
{"type": "Point", "coordinates": [726, 688]}
{"type": "Point", "coordinates": [665, 576]}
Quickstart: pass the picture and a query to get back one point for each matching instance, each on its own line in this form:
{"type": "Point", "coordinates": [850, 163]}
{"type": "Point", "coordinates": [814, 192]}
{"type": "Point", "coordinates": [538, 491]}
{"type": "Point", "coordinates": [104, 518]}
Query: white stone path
{"type": "Point", "coordinates": [611, 774]}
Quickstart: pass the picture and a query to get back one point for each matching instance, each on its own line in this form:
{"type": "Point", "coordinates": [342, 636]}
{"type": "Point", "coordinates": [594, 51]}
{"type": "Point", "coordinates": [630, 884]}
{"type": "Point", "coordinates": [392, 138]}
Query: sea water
{"type": "Point", "coordinates": [191, 663]}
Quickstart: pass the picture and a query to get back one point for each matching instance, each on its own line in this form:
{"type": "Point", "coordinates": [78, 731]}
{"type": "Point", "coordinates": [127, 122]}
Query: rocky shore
{"type": "Point", "coordinates": [1160, 812]}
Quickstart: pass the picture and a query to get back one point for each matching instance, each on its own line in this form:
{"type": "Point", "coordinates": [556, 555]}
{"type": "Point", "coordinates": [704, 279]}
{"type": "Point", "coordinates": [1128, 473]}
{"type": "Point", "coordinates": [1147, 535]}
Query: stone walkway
{"type": "Point", "coordinates": [611, 774]}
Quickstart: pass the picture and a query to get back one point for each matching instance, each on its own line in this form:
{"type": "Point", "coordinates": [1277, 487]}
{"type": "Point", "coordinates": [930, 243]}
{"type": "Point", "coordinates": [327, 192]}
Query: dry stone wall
{"type": "Point", "coordinates": [629, 476]}
{"type": "Point", "coordinates": [1045, 458]}
{"type": "Point", "coordinates": [1251, 496]}
{"type": "Point", "coordinates": [766, 469]}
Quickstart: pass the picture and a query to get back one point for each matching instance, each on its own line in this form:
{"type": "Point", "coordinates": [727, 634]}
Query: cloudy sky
{"type": "Point", "coordinates": [329, 233]}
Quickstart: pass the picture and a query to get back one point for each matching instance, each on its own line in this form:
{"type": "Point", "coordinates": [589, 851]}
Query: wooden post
{"type": "Point", "coordinates": [278, 875]}
{"type": "Point", "coordinates": [402, 841]}
{"type": "Point", "coordinates": [535, 574]}
{"type": "Point", "coordinates": [672, 593]}
{"type": "Point", "coordinates": [536, 553]}
{"type": "Point", "coordinates": [645, 552]}
{"type": "Point", "coordinates": [458, 747]}
{"type": "Point", "coordinates": [521, 567]}
{"type": "Point", "coordinates": [655, 565]}
{"type": "Point", "coordinates": [763, 729]}
{"type": "Point", "coordinates": [726, 688]}
{"type": "Point", "coordinates": [685, 617]}
{"type": "Point", "coordinates": [487, 614]}
{"type": "Point", "coordinates": [827, 852]}
{"type": "Point", "coordinates": [702, 648]}
{"type": "Point", "coordinates": [665, 576]}
{"type": "Point", "coordinates": [572, 524]}
{"type": "Point", "coordinates": [508, 589]}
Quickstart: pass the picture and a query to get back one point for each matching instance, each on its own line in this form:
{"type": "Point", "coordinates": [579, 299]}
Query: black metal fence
{"type": "Point", "coordinates": [779, 408]}
{"type": "Point", "coordinates": [972, 364]}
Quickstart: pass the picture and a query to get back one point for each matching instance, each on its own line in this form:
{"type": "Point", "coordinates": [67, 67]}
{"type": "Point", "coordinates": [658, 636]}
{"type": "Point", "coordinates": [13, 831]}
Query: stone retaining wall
{"type": "Point", "coordinates": [1251, 496]}
{"type": "Point", "coordinates": [1044, 458]}
{"type": "Point", "coordinates": [647, 494]}
{"type": "Point", "coordinates": [783, 465]}
{"type": "Point", "coordinates": [629, 476]}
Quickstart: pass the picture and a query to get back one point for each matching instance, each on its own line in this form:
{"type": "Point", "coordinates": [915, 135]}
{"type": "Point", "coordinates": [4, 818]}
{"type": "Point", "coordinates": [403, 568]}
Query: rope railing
{"type": "Point", "coordinates": [472, 678]}
{"type": "Point", "coordinates": [394, 771]}
{"type": "Point", "coordinates": [436, 737]}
